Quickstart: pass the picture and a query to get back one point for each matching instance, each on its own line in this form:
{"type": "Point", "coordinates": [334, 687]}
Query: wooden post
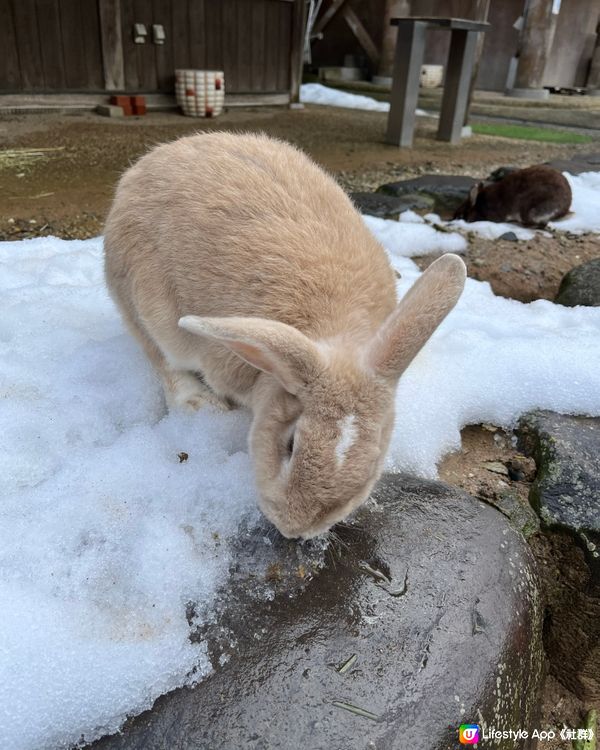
{"type": "Point", "coordinates": [408, 58]}
{"type": "Point", "coordinates": [456, 86]}
{"type": "Point", "coordinates": [536, 41]}
{"type": "Point", "coordinates": [593, 80]}
{"type": "Point", "coordinates": [480, 13]}
{"type": "Point", "coordinates": [297, 50]}
{"type": "Point", "coordinates": [393, 9]}
{"type": "Point", "coordinates": [112, 44]}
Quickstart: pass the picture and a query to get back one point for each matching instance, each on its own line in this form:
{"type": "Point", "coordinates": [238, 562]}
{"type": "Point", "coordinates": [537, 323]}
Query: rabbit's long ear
{"type": "Point", "coordinates": [268, 345]}
{"type": "Point", "coordinates": [417, 315]}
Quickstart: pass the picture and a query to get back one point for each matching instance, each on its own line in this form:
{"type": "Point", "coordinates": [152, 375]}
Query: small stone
{"type": "Point", "coordinates": [478, 262]}
{"type": "Point", "coordinates": [496, 466]}
{"type": "Point", "coordinates": [509, 237]}
{"type": "Point", "coordinates": [11, 221]}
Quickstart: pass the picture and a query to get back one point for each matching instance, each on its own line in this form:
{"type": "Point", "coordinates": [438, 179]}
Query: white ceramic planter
{"type": "Point", "coordinates": [200, 93]}
{"type": "Point", "coordinates": [432, 76]}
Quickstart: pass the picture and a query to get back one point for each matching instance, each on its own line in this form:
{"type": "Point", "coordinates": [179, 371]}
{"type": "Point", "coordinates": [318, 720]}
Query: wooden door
{"type": "Point", "coordinates": [50, 46]}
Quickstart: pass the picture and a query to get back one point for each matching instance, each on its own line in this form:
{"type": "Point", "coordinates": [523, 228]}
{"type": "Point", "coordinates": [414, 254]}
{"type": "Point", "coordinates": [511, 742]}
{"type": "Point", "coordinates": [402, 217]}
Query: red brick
{"type": "Point", "coordinates": [120, 100]}
{"type": "Point", "coordinates": [139, 109]}
{"type": "Point", "coordinates": [138, 101]}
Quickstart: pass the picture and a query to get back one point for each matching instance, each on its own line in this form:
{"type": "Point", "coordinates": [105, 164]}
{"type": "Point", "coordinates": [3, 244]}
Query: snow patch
{"type": "Point", "coordinates": [316, 93]}
{"type": "Point", "coordinates": [107, 533]}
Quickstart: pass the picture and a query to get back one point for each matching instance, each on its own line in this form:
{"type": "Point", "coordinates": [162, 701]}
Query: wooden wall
{"type": "Point", "coordinates": [47, 45]}
{"type": "Point", "coordinates": [88, 45]}
{"type": "Point", "coordinates": [569, 60]}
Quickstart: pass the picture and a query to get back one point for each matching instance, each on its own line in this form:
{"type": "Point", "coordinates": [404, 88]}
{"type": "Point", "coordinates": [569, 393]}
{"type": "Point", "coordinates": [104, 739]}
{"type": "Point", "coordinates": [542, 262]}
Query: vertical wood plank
{"type": "Point", "coordinates": [28, 44]}
{"type": "Point", "coordinates": [92, 49]}
{"type": "Point", "coordinates": [163, 53]}
{"type": "Point", "coordinates": [10, 73]}
{"type": "Point", "coordinates": [230, 31]}
{"type": "Point", "coordinates": [244, 47]}
{"type": "Point", "coordinates": [257, 45]}
{"type": "Point", "coordinates": [145, 55]}
{"type": "Point", "coordinates": [110, 15]}
{"type": "Point", "coordinates": [197, 33]}
{"type": "Point", "coordinates": [181, 33]}
{"type": "Point", "coordinates": [283, 46]}
{"type": "Point", "coordinates": [213, 19]}
{"type": "Point", "coordinates": [130, 63]}
{"type": "Point", "coordinates": [271, 34]}
{"type": "Point", "coordinates": [51, 45]}
{"type": "Point", "coordinates": [70, 15]}
{"type": "Point", "coordinates": [296, 58]}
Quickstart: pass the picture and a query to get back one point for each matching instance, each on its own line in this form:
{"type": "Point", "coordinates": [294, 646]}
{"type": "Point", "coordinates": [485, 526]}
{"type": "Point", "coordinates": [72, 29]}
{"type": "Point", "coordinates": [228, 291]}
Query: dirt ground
{"type": "Point", "coordinates": [59, 171]}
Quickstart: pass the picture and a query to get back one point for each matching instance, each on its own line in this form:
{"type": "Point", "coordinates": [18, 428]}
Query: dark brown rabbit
{"type": "Point", "coordinates": [532, 196]}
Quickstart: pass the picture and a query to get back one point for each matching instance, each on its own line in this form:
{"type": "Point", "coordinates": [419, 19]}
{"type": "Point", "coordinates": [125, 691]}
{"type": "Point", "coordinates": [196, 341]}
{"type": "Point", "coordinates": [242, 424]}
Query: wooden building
{"type": "Point", "coordinates": [555, 44]}
{"type": "Point", "coordinates": [97, 46]}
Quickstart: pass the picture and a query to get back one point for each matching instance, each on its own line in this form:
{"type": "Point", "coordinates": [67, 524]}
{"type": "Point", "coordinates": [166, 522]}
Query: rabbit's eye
{"type": "Point", "coordinates": [290, 444]}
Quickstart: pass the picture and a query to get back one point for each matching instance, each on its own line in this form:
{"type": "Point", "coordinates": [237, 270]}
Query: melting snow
{"type": "Point", "coordinates": [316, 93]}
{"type": "Point", "coordinates": [105, 536]}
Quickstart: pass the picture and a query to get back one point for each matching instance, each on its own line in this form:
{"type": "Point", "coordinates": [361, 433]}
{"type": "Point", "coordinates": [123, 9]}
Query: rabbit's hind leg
{"type": "Point", "coordinates": [183, 389]}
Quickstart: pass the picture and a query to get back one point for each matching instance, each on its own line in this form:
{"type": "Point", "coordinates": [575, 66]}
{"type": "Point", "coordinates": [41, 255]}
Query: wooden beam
{"type": "Point", "coordinates": [480, 13]}
{"type": "Point", "coordinates": [297, 49]}
{"type": "Point", "coordinates": [112, 44]}
{"type": "Point", "coordinates": [393, 9]}
{"type": "Point", "coordinates": [361, 34]}
{"type": "Point", "coordinates": [327, 16]}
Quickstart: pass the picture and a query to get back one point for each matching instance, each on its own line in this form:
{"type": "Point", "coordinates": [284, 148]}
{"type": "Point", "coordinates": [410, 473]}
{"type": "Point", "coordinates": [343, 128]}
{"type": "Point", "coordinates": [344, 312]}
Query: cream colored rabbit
{"type": "Point", "coordinates": [249, 277]}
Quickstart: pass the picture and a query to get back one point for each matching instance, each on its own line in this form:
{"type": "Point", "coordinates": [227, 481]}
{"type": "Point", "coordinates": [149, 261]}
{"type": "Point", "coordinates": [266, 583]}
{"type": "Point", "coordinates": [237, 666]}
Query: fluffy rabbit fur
{"type": "Point", "coordinates": [532, 196]}
{"type": "Point", "coordinates": [237, 258]}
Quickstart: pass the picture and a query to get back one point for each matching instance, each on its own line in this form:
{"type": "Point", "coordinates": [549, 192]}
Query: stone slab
{"type": "Point", "coordinates": [446, 191]}
{"type": "Point", "coordinates": [424, 616]}
{"type": "Point", "coordinates": [390, 206]}
{"type": "Point", "coordinates": [566, 492]}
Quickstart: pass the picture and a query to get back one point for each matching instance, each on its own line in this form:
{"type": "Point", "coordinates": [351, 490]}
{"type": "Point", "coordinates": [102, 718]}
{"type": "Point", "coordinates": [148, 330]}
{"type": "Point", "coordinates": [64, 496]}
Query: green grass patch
{"type": "Point", "coordinates": [529, 133]}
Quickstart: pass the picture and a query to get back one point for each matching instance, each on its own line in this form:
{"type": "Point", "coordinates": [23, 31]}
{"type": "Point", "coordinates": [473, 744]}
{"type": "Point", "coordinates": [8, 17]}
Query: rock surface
{"type": "Point", "coordinates": [566, 496]}
{"type": "Point", "coordinates": [389, 206]}
{"type": "Point", "coordinates": [446, 192]}
{"type": "Point", "coordinates": [581, 285]}
{"type": "Point", "coordinates": [566, 492]}
{"type": "Point", "coordinates": [578, 164]}
{"type": "Point", "coordinates": [425, 615]}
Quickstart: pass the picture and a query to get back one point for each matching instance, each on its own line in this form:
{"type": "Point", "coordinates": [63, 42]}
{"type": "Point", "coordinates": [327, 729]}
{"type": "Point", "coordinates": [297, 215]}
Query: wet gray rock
{"type": "Point", "coordinates": [446, 192]}
{"type": "Point", "coordinates": [509, 237]}
{"type": "Point", "coordinates": [389, 206]}
{"type": "Point", "coordinates": [581, 285]}
{"type": "Point", "coordinates": [578, 164]}
{"type": "Point", "coordinates": [566, 492]}
{"type": "Point", "coordinates": [424, 616]}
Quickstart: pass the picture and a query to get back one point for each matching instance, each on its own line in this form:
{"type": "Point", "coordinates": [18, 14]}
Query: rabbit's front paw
{"type": "Point", "coordinates": [183, 390]}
